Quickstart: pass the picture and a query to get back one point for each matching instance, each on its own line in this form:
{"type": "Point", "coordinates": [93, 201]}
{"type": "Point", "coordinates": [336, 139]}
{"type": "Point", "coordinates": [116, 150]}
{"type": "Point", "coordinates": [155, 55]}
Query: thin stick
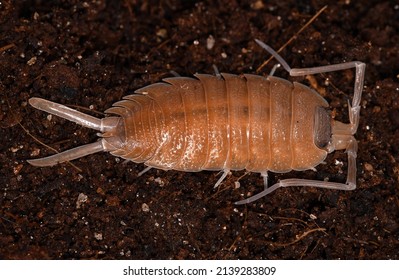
{"type": "Point", "coordinates": [292, 38]}
{"type": "Point", "coordinates": [6, 47]}
{"type": "Point", "coordinates": [303, 235]}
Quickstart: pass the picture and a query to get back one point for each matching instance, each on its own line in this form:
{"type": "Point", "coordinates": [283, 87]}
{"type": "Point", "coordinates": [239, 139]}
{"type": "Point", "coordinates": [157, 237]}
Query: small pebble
{"type": "Point", "coordinates": [257, 5]}
{"type": "Point", "coordinates": [210, 42]}
{"type": "Point", "coordinates": [98, 236]}
{"type": "Point", "coordinates": [163, 33]}
{"type": "Point", "coordinates": [145, 207]}
{"type": "Point", "coordinates": [32, 61]}
{"type": "Point", "coordinates": [82, 198]}
{"type": "Point", "coordinates": [368, 167]}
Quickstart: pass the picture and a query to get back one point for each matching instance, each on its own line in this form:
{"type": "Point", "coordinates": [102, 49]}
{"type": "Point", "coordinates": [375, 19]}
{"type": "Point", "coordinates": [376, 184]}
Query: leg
{"type": "Point", "coordinates": [274, 69]}
{"type": "Point", "coordinates": [217, 73]}
{"type": "Point", "coordinates": [265, 177]}
{"type": "Point", "coordinates": [297, 183]}
{"type": "Point", "coordinates": [144, 171]}
{"type": "Point", "coordinates": [224, 175]}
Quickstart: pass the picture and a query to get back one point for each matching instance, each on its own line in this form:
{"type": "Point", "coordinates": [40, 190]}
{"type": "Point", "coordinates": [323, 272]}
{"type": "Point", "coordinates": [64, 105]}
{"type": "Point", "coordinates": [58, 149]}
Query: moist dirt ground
{"type": "Point", "coordinates": [89, 54]}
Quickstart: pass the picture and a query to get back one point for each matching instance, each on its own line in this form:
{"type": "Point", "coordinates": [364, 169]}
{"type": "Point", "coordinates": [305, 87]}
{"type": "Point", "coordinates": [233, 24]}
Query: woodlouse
{"type": "Point", "coordinates": [225, 122]}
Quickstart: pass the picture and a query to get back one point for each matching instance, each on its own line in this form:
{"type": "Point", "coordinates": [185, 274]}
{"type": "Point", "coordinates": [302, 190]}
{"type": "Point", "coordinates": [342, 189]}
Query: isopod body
{"type": "Point", "coordinates": [226, 122]}
{"type": "Point", "coordinates": [210, 123]}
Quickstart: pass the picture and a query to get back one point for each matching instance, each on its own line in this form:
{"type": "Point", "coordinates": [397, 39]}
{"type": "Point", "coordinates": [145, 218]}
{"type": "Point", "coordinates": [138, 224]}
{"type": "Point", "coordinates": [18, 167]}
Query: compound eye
{"type": "Point", "coordinates": [322, 127]}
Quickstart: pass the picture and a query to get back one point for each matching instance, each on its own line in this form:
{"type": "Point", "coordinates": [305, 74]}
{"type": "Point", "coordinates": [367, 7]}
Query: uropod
{"type": "Point", "coordinates": [224, 122]}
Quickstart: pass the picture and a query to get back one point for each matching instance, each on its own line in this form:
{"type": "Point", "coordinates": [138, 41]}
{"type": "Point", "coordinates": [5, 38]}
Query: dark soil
{"type": "Point", "coordinates": [90, 54]}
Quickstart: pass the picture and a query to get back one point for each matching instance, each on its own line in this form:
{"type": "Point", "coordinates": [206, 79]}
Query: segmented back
{"type": "Point", "coordinates": [232, 123]}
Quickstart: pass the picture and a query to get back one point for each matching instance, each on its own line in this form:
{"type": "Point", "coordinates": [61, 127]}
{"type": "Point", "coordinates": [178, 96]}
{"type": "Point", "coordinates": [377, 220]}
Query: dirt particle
{"type": "Point", "coordinates": [82, 198]}
{"type": "Point", "coordinates": [376, 109]}
{"type": "Point", "coordinates": [368, 167]}
{"type": "Point", "coordinates": [159, 181]}
{"type": "Point", "coordinates": [145, 207]}
{"type": "Point", "coordinates": [32, 61]}
{"type": "Point", "coordinates": [258, 5]}
{"type": "Point", "coordinates": [163, 33]}
{"type": "Point", "coordinates": [210, 42]}
{"type": "Point", "coordinates": [113, 201]}
{"type": "Point", "coordinates": [98, 236]}
{"type": "Point", "coordinates": [17, 169]}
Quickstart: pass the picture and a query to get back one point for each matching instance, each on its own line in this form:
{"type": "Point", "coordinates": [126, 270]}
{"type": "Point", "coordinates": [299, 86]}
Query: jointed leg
{"type": "Point", "coordinates": [217, 72]}
{"type": "Point", "coordinates": [144, 170]}
{"type": "Point", "coordinates": [265, 177]}
{"type": "Point", "coordinates": [224, 175]}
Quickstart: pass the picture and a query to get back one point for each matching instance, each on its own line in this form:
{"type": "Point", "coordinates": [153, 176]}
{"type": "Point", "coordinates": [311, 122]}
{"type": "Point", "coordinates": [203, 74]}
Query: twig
{"type": "Point", "coordinates": [6, 47]}
{"type": "Point", "coordinates": [292, 38]}
{"type": "Point", "coordinates": [303, 235]}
